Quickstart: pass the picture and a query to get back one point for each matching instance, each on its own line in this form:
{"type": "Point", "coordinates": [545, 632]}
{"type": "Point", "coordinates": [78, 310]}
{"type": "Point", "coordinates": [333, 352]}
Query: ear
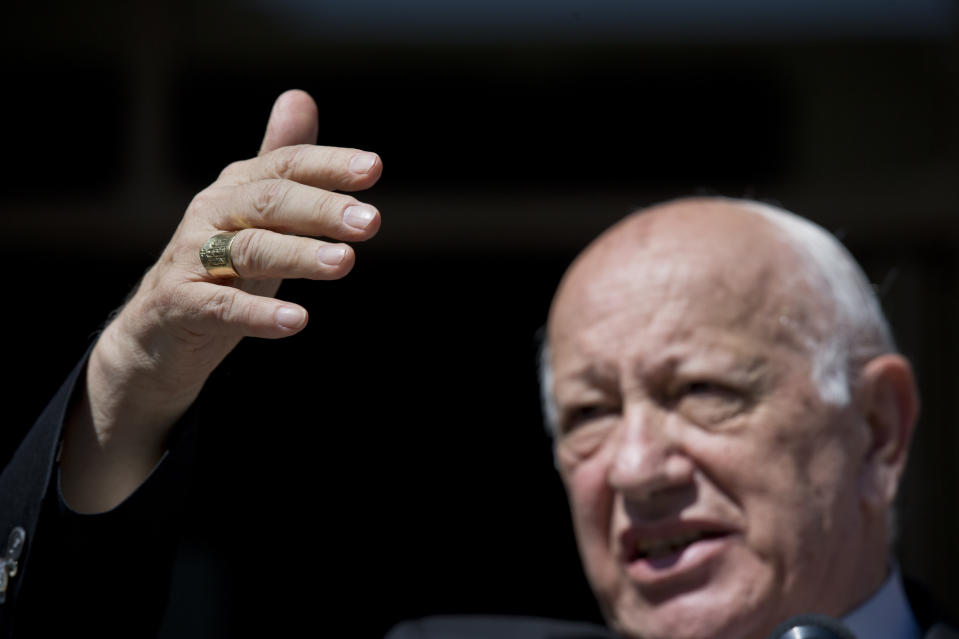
{"type": "Point", "coordinates": [889, 403]}
{"type": "Point", "coordinates": [293, 120]}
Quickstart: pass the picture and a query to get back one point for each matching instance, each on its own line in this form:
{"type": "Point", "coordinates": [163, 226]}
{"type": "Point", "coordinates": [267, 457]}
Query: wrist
{"type": "Point", "coordinates": [130, 386]}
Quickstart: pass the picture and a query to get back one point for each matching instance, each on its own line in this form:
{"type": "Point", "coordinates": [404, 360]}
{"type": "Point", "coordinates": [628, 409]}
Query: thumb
{"type": "Point", "coordinates": [293, 120]}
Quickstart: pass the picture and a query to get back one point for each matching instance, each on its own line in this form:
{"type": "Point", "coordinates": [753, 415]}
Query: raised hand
{"type": "Point", "coordinates": [152, 360]}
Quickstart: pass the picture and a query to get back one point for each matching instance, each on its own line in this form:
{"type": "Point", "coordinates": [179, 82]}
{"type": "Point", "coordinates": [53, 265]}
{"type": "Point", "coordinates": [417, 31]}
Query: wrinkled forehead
{"type": "Point", "coordinates": [703, 264]}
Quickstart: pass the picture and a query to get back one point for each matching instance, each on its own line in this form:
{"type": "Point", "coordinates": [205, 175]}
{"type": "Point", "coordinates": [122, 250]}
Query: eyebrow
{"type": "Point", "coordinates": [684, 360]}
{"type": "Point", "coordinates": [743, 369]}
{"type": "Point", "coordinates": [590, 373]}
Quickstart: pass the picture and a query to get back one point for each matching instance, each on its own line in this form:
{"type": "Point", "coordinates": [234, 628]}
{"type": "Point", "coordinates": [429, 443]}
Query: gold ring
{"type": "Point", "coordinates": [215, 255]}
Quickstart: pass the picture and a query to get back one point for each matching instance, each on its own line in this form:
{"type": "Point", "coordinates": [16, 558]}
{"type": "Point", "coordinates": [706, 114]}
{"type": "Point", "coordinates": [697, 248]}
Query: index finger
{"type": "Point", "coordinates": [326, 167]}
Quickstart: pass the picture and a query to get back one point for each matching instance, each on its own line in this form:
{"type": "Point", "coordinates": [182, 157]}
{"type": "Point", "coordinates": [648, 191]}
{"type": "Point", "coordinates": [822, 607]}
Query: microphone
{"type": "Point", "coordinates": [811, 627]}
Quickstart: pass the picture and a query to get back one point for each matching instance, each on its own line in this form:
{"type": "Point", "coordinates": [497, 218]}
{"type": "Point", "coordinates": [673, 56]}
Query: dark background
{"type": "Point", "coordinates": [392, 453]}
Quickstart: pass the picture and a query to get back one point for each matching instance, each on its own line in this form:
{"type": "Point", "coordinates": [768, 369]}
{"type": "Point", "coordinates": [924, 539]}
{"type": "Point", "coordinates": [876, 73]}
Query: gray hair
{"type": "Point", "coordinates": [860, 333]}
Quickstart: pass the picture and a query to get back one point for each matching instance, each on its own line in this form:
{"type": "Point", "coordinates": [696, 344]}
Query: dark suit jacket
{"type": "Point", "coordinates": [533, 628]}
{"type": "Point", "coordinates": [72, 564]}
{"type": "Point", "coordinates": [110, 573]}
{"type": "Point", "coordinates": [935, 622]}
{"type": "Point", "coordinates": [483, 627]}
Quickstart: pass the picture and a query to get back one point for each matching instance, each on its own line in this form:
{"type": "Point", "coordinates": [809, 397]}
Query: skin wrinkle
{"type": "Point", "coordinates": [852, 329]}
{"type": "Point", "coordinates": [700, 291]}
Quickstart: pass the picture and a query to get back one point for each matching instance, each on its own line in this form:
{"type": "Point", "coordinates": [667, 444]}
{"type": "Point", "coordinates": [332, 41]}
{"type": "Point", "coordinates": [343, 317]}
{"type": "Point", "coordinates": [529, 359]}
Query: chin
{"type": "Point", "coordinates": [698, 624]}
{"type": "Point", "coordinates": [730, 611]}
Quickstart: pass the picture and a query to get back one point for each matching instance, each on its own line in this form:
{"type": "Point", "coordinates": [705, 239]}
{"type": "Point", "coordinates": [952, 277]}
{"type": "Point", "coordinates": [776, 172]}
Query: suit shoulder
{"type": "Point", "coordinates": [482, 627]}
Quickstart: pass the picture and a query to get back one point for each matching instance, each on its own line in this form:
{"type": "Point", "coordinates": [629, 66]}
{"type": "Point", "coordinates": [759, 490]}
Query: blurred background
{"type": "Point", "coordinates": [392, 454]}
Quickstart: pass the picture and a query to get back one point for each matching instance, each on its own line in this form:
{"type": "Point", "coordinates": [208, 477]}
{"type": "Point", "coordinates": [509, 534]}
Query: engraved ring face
{"type": "Point", "coordinates": [215, 255]}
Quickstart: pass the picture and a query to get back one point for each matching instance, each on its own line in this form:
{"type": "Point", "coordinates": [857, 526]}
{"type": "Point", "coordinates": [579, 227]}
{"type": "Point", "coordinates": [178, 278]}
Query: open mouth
{"type": "Point", "coordinates": [656, 548]}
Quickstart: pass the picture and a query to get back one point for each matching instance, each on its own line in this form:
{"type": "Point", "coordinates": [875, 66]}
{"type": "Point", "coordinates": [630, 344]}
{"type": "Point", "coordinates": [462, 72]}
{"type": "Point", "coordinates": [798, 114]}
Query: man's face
{"type": "Point", "coordinates": [713, 492]}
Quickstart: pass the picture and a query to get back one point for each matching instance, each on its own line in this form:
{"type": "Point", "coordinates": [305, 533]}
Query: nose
{"type": "Point", "coordinates": [649, 458]}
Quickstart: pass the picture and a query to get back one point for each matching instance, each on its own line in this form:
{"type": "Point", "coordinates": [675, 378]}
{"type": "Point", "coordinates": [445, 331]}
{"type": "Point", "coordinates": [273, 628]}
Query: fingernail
{"type": "Point", "coordinates": [291, 318]}
{"type": "Point", "coordinates": [362, 163]}
{"type": "Point", "coordinates": [331, 255]}
{"type": "Point", "coordinates": [359, 217]}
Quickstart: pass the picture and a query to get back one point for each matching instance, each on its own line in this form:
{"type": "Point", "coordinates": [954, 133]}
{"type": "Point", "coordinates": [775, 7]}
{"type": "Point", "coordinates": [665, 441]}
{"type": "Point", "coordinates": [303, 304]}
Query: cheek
{"type": "Point", "coordinates": [590, 498]}
{"type": "Point", "coordinates": [791, 500]}
{"type": "Point", "coordinates": [591, 504]}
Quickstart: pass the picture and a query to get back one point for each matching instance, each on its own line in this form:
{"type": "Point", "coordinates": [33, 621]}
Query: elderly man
{"type": "Point", "coordinates": [731, 422]}
{"type": "Point", "coordinates": [731, 419]}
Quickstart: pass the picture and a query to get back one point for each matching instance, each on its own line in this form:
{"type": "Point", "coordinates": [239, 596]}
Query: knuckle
{"type": "Point", "coordinates": [330, 205]}
{"type": "Point", "coordinates": [168, 302]}
{"type": "Point", "coordinates": [249, 253]}
{"type": "Point", "coordinates": [287, 161]}
{"type": "Point", "coordinates": [200, 201]}
{"type": "Point", "coordinates": [267, 197]}
{"type": "Point", "coordinates": [207, 202]}
{"type": "Point", "coordinates": [261, 254]}
{"type": "Point", "coordinates": [221, 305]}
{"type": "Point", "coordinates": [232, 170]}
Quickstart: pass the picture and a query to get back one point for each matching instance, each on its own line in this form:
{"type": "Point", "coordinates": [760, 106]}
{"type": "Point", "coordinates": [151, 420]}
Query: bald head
{"type": "Point", "coordinates": [731, 425]}
{"type": "Point", "coordinates": [788, 276]}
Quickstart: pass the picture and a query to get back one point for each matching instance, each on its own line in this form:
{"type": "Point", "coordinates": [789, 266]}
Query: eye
{"type": "Point", "coordinates": [578, 416]}
{"type": "Point", "coordinates": [708, 402]}
{"type": "Point", "coordinates": [703, 388]}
